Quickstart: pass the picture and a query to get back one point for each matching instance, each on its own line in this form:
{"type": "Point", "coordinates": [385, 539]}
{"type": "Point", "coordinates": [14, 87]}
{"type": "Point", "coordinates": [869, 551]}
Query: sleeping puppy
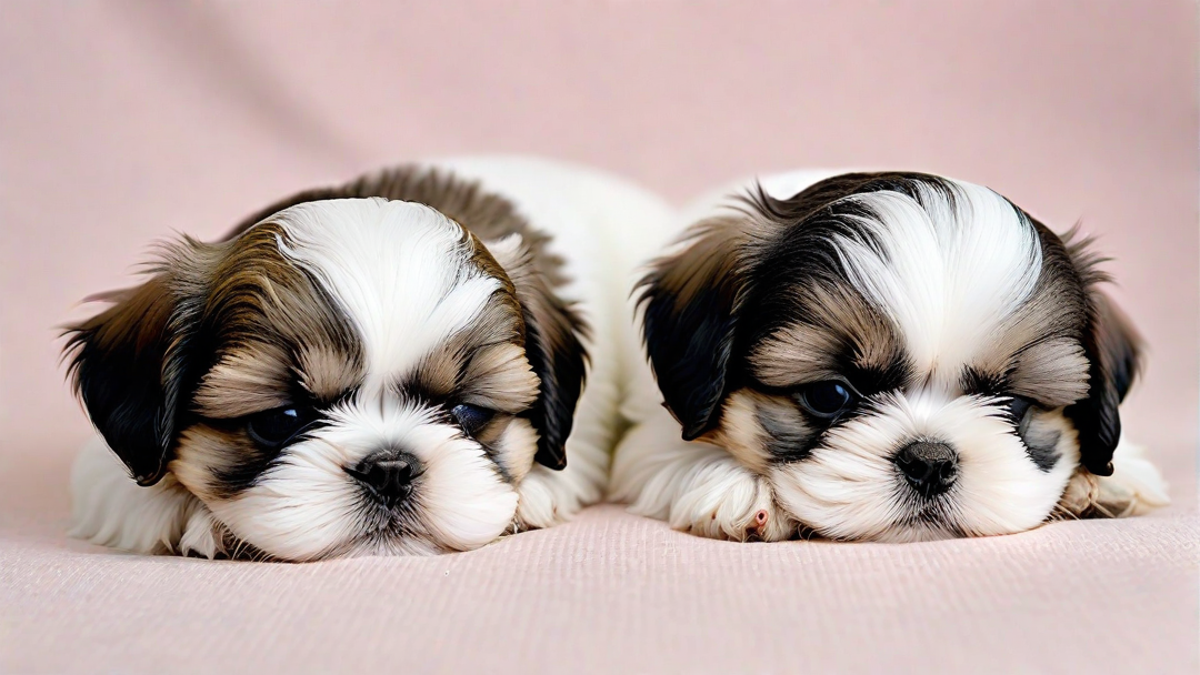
{"type": "Point", "coordinates": [881, 356]}
{"type": "Point", "coordinates": [391, 366]}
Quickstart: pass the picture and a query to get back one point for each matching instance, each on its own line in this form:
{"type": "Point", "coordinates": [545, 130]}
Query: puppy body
{"type": "Point", "coordinates": [367, 369]}
{"type": "Point", "coordinates": [603, 227]}
{"type": "Point", "coordinates": [893, 357]}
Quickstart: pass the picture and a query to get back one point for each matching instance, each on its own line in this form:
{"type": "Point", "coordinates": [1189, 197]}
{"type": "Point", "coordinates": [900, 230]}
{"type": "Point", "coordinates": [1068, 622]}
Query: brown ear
{"type": "Point", "coordinates": [691, 301]}
{"type": "Point", "coordinates": [129, 364]}
{"type": "Point", "coordinates": [1113, 349]}
{"type": "Point", "coordinates": [554, 334]}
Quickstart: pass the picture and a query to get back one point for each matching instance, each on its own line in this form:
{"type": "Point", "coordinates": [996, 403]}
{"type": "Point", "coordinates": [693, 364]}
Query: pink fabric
{"type": "Point", "coordinates": [125, 122]}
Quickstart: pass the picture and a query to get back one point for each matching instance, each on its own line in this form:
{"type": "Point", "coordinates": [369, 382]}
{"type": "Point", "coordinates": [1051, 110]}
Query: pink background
{"type": "Point", "coordinates": [122, 123]}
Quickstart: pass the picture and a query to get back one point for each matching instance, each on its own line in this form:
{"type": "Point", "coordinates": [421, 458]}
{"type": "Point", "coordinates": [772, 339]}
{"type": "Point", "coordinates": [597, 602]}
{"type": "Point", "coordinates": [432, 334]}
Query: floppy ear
{"type": "Point", "coordinates": [1113, 349]}
{"type": "Point", "coordinates": [691, 301]}
{"type": "Point", "coordinates": [128, 365]}
{"type": "Point", "coordinates": [554, 334]}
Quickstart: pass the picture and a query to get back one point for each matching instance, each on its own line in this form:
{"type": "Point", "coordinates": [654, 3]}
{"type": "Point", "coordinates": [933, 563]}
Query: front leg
{"type": "Point", "coordinates": [1135, 487]}
{"type": "Point", "coordinates": [549, 497]}
{"type": "Point", "coordinates": [696, 487]}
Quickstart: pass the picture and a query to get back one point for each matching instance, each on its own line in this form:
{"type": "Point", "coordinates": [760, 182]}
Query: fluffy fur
{"type": "Point", "coordinates": [421, 337]}
{"type": "Point", "coordinates": [892, 357]}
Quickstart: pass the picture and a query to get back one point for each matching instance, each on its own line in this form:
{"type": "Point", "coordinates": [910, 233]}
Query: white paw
{"type": "Point", "coordinates": [725, 501]}
{"type": "Point", "coordinates": [1135, 487]}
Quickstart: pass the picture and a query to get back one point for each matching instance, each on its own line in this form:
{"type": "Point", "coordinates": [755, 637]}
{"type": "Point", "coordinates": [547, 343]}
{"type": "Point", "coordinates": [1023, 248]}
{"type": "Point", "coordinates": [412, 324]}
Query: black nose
{"type": "Point", "coordinates": [388, 477]}
{"type": "Point", "coordinates": [929, 467]}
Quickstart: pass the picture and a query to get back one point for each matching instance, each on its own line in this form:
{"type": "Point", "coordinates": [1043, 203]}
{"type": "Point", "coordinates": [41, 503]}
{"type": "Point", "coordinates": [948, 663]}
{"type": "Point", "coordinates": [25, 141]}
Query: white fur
{"type": "Point", "coordinates": [109, 509]}
{"type": "Point", "coordinates": [1136, 486]}
{"type": "Point", "coordinates": [850, 488]}
{"type": "Point", "coordinates": [396, 268]}
{"type": "Point", "coordinates": [953, 275]}
{"type": "Point", "coordinates": [399, 270]}
{"type": "Point", "coordinates": [603, 228]}
{"type": "Point", "coordinates": [307, 507]}
{"type": "Point", "coordinates": [696, 487]}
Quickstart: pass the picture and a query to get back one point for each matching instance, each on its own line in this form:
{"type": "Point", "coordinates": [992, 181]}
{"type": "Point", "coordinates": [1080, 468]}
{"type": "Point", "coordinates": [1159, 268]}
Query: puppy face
{"type": "Point", "coordinates": [347, 376]}
{"type": "Point", "coordinates": [901, 356]}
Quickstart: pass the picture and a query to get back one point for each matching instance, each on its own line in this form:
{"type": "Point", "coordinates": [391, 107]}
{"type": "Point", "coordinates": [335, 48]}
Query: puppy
{"type": "Point", "coordinates": [393, 366]}
{"type": "Point", "coordinates": [881, 356]}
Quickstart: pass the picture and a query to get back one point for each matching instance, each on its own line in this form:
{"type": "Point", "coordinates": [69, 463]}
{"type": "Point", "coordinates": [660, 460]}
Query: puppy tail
{"type": "Point", "coordinates": [108, 508]}
{"type": "Point", "coordinates": [1135, 487]}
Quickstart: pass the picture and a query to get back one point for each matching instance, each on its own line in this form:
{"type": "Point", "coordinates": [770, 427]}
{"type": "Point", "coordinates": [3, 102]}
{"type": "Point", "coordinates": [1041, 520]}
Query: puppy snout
{"type": "Point", "coordinates": [930, 468]}
{"type": "Point", "coordinates": [387, 476]}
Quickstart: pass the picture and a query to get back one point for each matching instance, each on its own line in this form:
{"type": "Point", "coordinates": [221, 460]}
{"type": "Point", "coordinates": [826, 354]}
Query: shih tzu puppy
{"type": "Point", "coordinates": [881, 356]}
{"type": "Point", "coordinates": [392, 366]}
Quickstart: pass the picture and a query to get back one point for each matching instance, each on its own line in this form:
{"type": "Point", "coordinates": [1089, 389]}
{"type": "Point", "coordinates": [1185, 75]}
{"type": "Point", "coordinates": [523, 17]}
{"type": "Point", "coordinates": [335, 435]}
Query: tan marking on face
{"type": "Point", "coordinates": [326, 372]}
{"type": "Point", "coordinates": [1054, 373]}
{"type": "Point", "coordinates": [1036, 351]}
{"type": "Point", "coordinates": [249, 380]}
{"type": "Point", "coordinates": [204, 451]}
{"type": "Point", "coordinates": [759, 428]}
{"type": "Point", "coordinates": [485, 360]}
{"type": "Point", "coordinates": [839, 318]}
{"type": "Point", "coordinates": [274, 327]}
{"type": "Point", "coordinates": [794, 355]}
{"type": "Point", "coordinates": [500, 377]}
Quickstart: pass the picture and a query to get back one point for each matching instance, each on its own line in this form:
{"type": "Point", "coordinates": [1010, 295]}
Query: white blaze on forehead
{"type": "Point", "coordinates": [948, 272]}
{"type": "Point", "coordinates": [402, 271]}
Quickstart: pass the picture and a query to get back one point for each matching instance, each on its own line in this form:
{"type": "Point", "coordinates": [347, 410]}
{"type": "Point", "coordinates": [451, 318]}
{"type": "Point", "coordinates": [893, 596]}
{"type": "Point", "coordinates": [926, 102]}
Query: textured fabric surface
{"type": "Point", "coordinates": [122, 122]}
{"type": "Point", "coordinates": [612, 592]}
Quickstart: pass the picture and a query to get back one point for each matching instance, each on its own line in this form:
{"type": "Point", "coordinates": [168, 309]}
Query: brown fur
{"type": "Point", "coordinates": [223, 330]}
{"type": "Point", "coordinates": [801, 353]}
{"type": "Point", "coordinates": [553, 330]}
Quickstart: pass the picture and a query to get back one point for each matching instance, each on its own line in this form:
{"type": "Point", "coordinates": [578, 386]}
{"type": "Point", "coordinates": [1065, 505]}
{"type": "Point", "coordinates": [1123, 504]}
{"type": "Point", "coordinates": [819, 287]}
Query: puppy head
{"type": "Point", "coordinates": [346, 376]}
{"type": "Point", "coordinates": [902, 356]}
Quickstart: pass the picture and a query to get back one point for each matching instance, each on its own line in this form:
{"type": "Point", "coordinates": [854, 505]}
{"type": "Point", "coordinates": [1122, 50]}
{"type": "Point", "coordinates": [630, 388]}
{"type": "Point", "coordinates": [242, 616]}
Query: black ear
{"type": "Point", "coordinates": [1113, 349]}
{"type": "Point", "coordinates": [554, 334]}
{"type": "Point", "coordinates": [690, 302]}
{"type": "Point", "coordinates": [128, 365]}
{"type": "Point", "coordinates": [554, 349]}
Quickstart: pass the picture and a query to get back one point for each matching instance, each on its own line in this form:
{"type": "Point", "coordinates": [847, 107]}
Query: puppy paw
{"type": "Point", "coordinates": [726, 501]}
{"type": "Point", "coordinates": [547, 498]}
{"type": "Point", "coordinates": [1135, 488]}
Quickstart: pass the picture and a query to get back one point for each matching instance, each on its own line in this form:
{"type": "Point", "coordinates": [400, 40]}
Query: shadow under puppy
{"type": "Point", "coordinates": [881, 356]}
{"type": "Point", "coordinates": [392, 366]}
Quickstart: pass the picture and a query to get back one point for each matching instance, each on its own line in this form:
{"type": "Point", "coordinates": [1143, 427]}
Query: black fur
{"type": "Point", "coordinates": [711, 303]}
{"type": "Point", "coordinates": [557, 355]}
{"type": "Point", "coordinates": [554, 331]}
{"type": "Point", "coordinates": [728, 290]}
{"type": "Point", "coordinates": [689, 348]}
{"type": "Point", "coordinates": [1114, 352]}
{"type": "Point", "coordinates": [130, 367]}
